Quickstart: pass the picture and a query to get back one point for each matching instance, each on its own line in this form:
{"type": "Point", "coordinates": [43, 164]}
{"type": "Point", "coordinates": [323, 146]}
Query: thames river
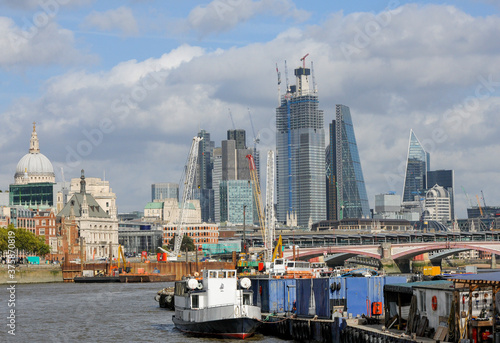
{"type": "Point", "coordinates": [112, 312]}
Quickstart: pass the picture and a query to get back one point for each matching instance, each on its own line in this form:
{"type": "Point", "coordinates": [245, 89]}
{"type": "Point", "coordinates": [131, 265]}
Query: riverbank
{"type": "Point", "coordinates": [31, 273]}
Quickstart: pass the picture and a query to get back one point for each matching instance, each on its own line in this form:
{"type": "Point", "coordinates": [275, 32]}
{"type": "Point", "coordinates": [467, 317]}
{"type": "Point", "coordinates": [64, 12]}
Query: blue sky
{"type": "Point", "coordinates": [430, 66]}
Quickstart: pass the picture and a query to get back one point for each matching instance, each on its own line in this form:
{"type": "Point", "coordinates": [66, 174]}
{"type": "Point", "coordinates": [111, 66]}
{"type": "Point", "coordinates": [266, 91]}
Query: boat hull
{"type": "Point", "coordinates": [240, 328]}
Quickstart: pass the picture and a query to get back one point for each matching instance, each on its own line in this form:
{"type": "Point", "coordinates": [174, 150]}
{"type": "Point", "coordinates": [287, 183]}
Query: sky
{"type": "Point", "coordinates": [119, 88]}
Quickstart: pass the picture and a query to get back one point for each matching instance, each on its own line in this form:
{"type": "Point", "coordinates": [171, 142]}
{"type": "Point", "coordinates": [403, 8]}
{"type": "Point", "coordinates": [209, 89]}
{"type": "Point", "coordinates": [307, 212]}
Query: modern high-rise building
{"type": "Point", "coordinates": [164, 190]}
{"type": "Point", "coordinates": [347, 197]}
{"type": "Point", "coordinates": [443, 178]}
{"type": "Point", "coordinates": [300, 153]}
{"type": "Point", "coordinates": [216, 179]}
{"type": "Point", "coordinates": [417, 166]}
{"type": "Point", "coordinates": [437, 204]}
{"type": "Point", "coordinates": [239, 136]}
{"type": "Point", "coordinates": [202, 187]}
{"type": "Point", "coordinates": [236, 197]}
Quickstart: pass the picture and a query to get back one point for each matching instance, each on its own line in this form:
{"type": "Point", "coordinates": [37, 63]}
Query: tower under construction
{"type": "Point", "coordinates": [300, 152]}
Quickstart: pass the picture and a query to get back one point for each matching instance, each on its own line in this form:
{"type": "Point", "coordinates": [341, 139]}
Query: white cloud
{"type": "Point", "coordinates": [121, 19]}
{"type": "Point", "coordinates": [223, 15]}
{"type": "Point", "coordinates": [39, 43]}
{"type": "Point", "coordinates": [44, 5]}
{"type": "Point", "coordinates": [419, 71]}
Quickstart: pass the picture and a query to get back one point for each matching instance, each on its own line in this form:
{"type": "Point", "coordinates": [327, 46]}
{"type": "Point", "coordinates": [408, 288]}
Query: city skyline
{"type": "Point", "coordinates": [125, 100]}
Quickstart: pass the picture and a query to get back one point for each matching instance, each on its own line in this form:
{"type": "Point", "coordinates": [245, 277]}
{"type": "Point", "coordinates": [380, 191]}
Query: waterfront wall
{"type": "Point", "coordinates": [32, 274]}
{"type": "Point", "coordinates": [180, 269]}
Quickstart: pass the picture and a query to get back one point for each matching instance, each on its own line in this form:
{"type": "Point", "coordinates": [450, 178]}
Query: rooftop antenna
{"type": "Point", "coordinates": [231, 116]}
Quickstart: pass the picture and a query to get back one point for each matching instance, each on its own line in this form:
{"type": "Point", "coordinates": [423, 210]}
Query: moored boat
{"type": "Point", "coordinates": [217, 304]}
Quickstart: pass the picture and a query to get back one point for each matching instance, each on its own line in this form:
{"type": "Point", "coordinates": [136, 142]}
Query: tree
{"type": "Point", "coordinates": [187, 242]}
{"type": "Point", "coordinates": [24, 240]}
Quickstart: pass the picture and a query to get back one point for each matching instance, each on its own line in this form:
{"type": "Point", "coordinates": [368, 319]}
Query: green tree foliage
{"type": "Point", "coordinates": [24, 240]}
{"type": "Point", "coordinates": [187, 242]}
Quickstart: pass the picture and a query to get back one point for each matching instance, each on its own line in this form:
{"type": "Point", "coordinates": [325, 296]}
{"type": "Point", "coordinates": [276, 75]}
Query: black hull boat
{"type": "Point", "coordinates": [239, 328]}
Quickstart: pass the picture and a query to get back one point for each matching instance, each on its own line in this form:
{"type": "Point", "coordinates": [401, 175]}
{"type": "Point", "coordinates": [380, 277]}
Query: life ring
{"type": "Point", "coordinates": [434, 303]}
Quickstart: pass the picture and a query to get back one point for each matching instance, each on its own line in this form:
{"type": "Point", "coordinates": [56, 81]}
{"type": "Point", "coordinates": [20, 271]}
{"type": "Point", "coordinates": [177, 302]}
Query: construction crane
{"type": "Point", "coordinates": [303, 59]}
{"type": "Point", "coordinates": [231, 116]}
{"type": "Point", "coordinates": [479, 205]}
{"type": "Point", "coordinates": [467, 196]}
{"type": "Point", "coordinates": [258, 202]}
{"type": "Point", "coordinates": [484, 200]}
{"type": "Point", "coordinates": [279, 84]}
{"type": "Point", "coordinates": [186, 195]}
{"type": "Point", "coordinates": [270, 218]}
{"type": "Point", "coordinates": [256, 139]}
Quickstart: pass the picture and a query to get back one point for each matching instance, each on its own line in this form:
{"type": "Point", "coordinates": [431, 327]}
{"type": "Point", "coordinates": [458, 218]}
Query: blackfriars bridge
{"type": "Point", "coordinates": [394, 248]}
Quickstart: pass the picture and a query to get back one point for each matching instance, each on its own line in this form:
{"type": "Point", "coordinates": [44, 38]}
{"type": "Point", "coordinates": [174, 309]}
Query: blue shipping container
{"type": "Point", "coordinates": [303, 296]}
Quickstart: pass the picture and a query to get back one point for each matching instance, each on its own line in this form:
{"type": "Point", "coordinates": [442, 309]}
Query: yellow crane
{"type": "Point", "coordinates": [256, 195]}
{"type": "Point", "coordinates": [121, 255]}
{"type": "Point", "coordinates": [479, 205]}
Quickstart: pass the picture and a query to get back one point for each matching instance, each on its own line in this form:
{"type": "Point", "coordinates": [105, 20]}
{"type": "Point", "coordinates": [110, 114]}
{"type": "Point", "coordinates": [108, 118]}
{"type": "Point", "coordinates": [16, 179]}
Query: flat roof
{"type": "Point", "coordinates": [489, 278]}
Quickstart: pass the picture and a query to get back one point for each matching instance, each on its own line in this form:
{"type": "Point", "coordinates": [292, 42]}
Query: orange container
{"type": "Point", "coordinates": [140, 270]}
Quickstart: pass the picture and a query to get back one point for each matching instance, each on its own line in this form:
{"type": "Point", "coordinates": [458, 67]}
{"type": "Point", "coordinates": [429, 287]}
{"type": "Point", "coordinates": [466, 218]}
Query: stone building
{"type": "Point", "coordinates": [97, 227]}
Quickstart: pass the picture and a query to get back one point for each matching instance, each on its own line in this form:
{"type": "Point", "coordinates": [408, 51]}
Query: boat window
{"type": "Point", "coordinates": [213, 274]}
{"type": "Point", "coordinates": [247, 299]}
{"type": "Point", "coordinates": [222, 275]}
{"type": "Point", "coordinates": [180, 288]}
{"type": "Point", "coordinates": [231, 274]}
{"type": "Point", "coordinates": [195, 301]}
{"type": "Point", "coordinates": [291, 264]}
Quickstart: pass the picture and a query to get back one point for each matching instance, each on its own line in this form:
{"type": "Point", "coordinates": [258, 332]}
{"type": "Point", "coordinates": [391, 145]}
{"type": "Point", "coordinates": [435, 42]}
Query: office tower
{"type": "Point", "coordinates": [216, 179]}
{"type": "Point", "coordinates": [437, 204]}
{"type": "Point", "coordinates": [300, 149]}
{"type": "Point", "coordinates": [234, 196]}
{"type": "Point", "coordinates": [202, 188]}
{"type": "Point", "coordinates": [234, 166]}
{"type": "Point", "coordinates": [164, 190]}
{"type": "Point", "coordinates": [239, 136]}
{"type": "Point", "coordinates": [444, 178]}
{"type": "Point", "coordinates": [417, 166]}
{"type": "Point", "coordinates": [347, 196]}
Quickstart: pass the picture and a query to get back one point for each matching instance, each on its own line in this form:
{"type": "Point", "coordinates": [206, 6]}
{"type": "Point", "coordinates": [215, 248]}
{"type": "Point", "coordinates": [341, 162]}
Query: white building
{"type": "Point", "coordinates": [97, 226]}
{"type": "Point", "coordinates": [100, 190]}
{"type": "Point", "coordinates": [34, 167]}
{"type": "Point", "coordinates": [437, 204]}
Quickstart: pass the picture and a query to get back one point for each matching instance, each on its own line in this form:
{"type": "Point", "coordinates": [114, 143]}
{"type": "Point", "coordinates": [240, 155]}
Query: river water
{"type": "Point", "coordinates": [109, 312]}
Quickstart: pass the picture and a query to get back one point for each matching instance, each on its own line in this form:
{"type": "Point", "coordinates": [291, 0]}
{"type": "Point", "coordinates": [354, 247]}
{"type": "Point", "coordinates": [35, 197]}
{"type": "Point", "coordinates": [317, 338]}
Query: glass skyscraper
{"type": "Point", "coordinates": [347, 196]}
{"type": "Point", "coordinates": [300, 153]}
{"type": "Point", "coordinates": [417, 166]}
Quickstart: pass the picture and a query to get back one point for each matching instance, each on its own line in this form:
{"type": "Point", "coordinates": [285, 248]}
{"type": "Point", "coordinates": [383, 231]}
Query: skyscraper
{"type": "Point", "coordinates": [444, 178]}
{"type": "Point", "coordinates": [300, 150]}
{"type": "Point", "coordinates": [239, 136]}
{"type": "Point", "coordinates": [202, 188]}
{"type": "Point", "coordinates": [417, 166]}
{"type": "Point", "coordinates": [347, 196]}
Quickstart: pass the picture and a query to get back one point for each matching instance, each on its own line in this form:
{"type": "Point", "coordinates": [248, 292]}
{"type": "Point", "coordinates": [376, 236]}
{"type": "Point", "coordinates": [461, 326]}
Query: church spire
{"type": "Point", "coordinates": [34, 144]}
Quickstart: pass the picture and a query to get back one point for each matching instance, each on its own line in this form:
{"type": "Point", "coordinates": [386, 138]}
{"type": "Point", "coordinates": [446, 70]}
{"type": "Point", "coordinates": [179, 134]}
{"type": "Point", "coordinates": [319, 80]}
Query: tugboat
{"type": "Point", "coordinates": [217, 304]}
